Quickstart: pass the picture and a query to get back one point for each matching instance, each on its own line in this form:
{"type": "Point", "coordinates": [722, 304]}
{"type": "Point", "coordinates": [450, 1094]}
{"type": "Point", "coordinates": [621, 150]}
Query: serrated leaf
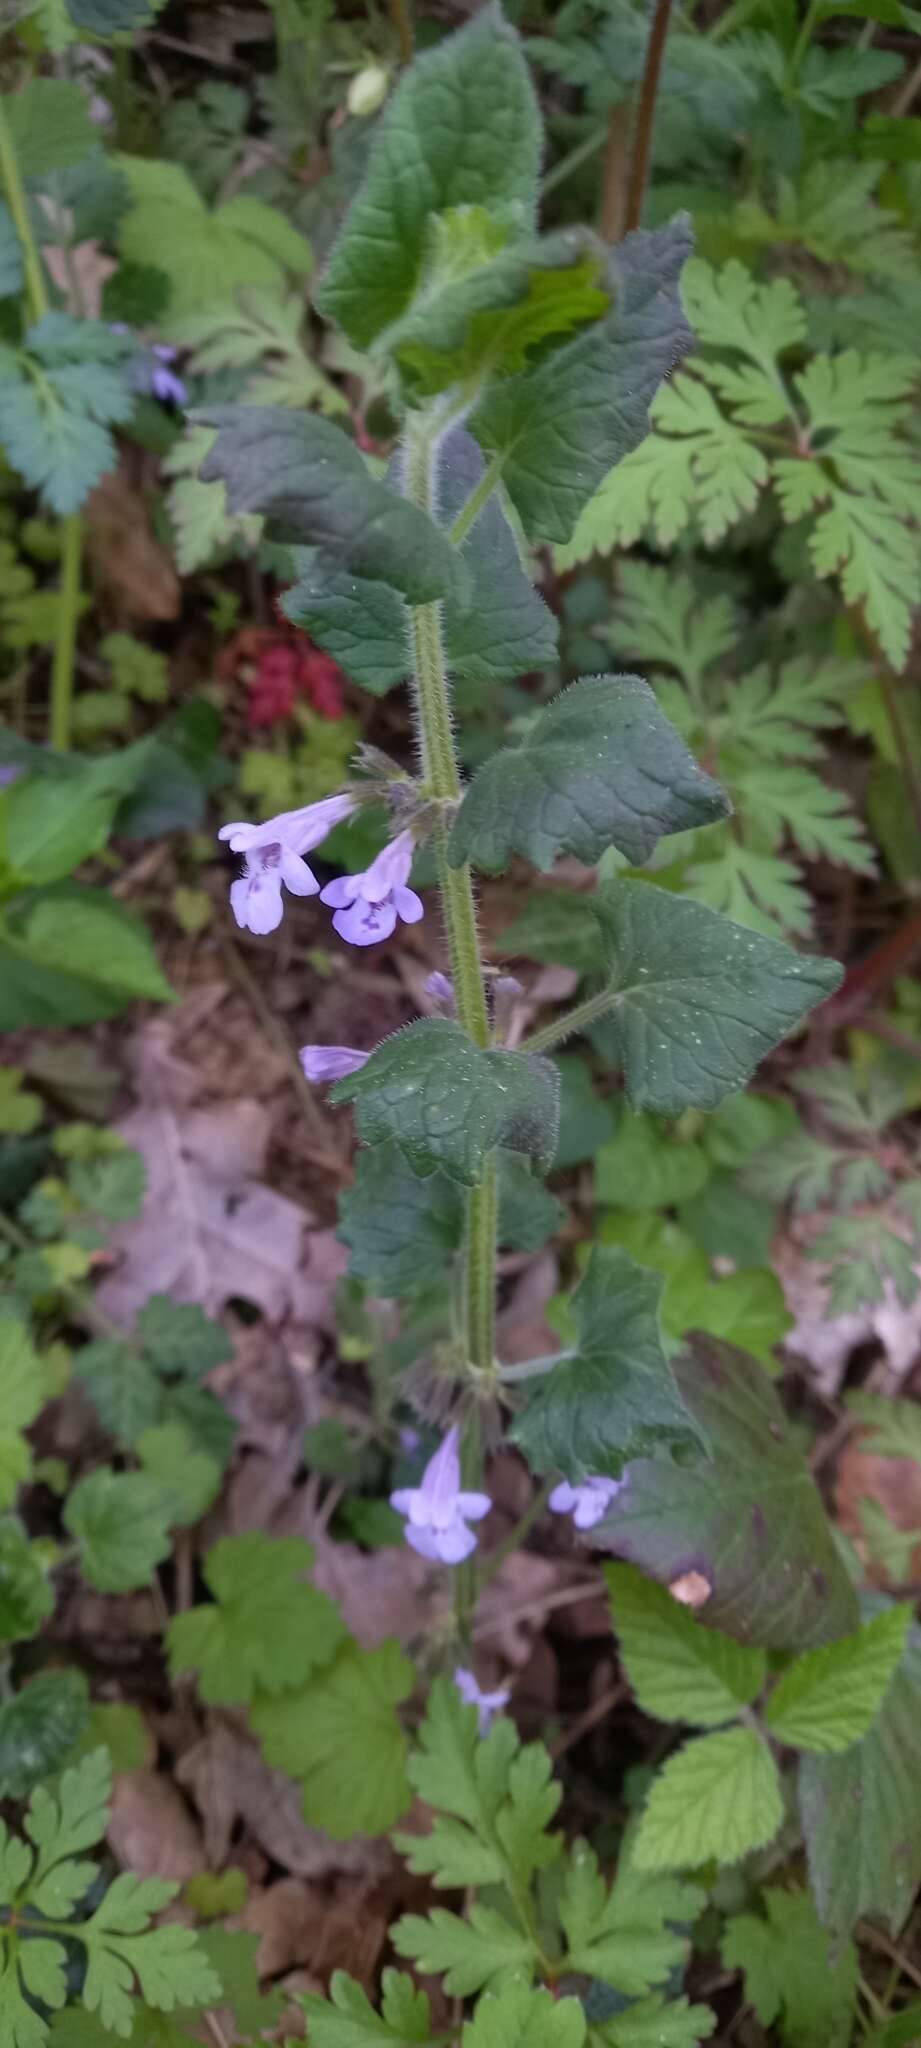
{"type": "Point", "coordinates": [21, 1400]}
{"type": "Point", "coordinates": [679, 1670]}
{"type": "Point", "coordinates": [493, 1799]}
{"type": "Point", "coordinates": [313, 486]}
{"type": "Point", "coordinates": [632, 1936]}
{"type": "Point", "coordinates": [829, 1698]}
{"type": "Point", "coordinates": [462, 130]}
{"type": "Point", "coordinates": [121, 1385]}
{"type": "Point", "coordinates": [181, 1341]}
{"type": "Point", "coordinates": [38, 1727]}
{"type": "Point", "coordinates": [401, 1230]}
{"type": "Point", "coordinates": [657, 2023]}
{"type": "Point", "coordinates": [525, 2016]}
{"type": "Point", "coordinates": [169, 1965]}
{"type": "Point", "coordinates": [861, 1815]}
{"type": "Point", "coordinates": [792, 1967]}
{"type": "Point", "coordinates": [614, 1398]}
{"type": "Point", "coordinates": [485, 1949]}
{"type": "Point", "coordinates": [342, 1738]}
{"type": "Point", "coordinates": [267, 1627]}
{"type": "Point", "coordinates": [719, 1796]}
{"type": "Point", "coordinates": [207, 254]}
{"type": "Point", "coordinates": [50, 126]}
{"type": "Point", "coordinates": [347, 2019]}
{"type": "Point", "coordinates": [120, 1523]}
{"type": "Point", "coordinates": [556, 429]}
{"type": "Point", "coordinates": [556, 925]}
{"type": "Point", "coordinates": [696, 1001]}
{"type": "Point", "coordinates": [189, 1480]}
{"type": "Point", "coordinates": [599, 767]}
{"type": "Point", "coordinates": [749, 1521]}
{"type": "Point", "coordinates": [447, 1103]}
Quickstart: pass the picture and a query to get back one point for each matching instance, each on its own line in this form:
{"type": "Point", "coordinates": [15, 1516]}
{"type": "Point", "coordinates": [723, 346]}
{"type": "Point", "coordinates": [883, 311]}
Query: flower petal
{"type": "Point", "coordinates": [409, 906]}
{"type": "Point", "coordinates": [331, 1062]}
{"type": "Point", "coordinates": [562, 1499]}
{"type": "Point", "coordinates": [365, 924]}
{"type": "Point", "coordinates": [296, 875]}
{"type": "Point", "coordinates": [340, 892]}
{"type": "Point", "coordinates": [455, 1543]}
{"type": "Point", "coordinates": [473, 1506]}
{"type": "Point", "coordinates": [423, 1541]}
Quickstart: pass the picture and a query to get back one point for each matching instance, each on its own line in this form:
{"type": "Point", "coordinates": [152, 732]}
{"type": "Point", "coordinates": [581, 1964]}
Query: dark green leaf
{"type": "Point", "coordinates": [447, 1103]}
{"type": "Point", "coordinates": [462, 130]}
{"type": "Point", "coordinates": [557, 429]}
{"type": "Point", "coordinates": [26, 1599]}
{"type": "Point", "coordinates": [121, 1385]}
{"type": "Point", "coordinates": [70, 955]}
{"type": "Point", "coordinates": [615, 1398]}
{"type": "Point", "coordinates": [180, 1339]}
{"type": "Point", "coordinates": [750, 1524]}
{"type": "Point", "coordinates": [599, 767]}
{"type": "Point", "coordinates": [556, 925]}
{"type": "Point", "coordinates": [861, 1813]}
{"type": "Point", "coordinates": [313, 485]}
{"type": "Point", "coordinates": [109, 17]}
{"type": "Point", "coordinates": [38, 1727]}
{"type": "Point", "coordinates": [696, 1000]}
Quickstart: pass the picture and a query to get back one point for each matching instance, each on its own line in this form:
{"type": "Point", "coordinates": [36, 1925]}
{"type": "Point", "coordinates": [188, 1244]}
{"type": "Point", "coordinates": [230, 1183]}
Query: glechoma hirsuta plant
{"type": "Point", "coordinates": [526, 366]}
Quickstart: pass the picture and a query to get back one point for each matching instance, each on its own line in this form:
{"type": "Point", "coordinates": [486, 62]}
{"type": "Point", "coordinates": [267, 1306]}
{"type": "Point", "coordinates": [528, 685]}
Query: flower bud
{"type": "Point", "coordinates": [367, 90]}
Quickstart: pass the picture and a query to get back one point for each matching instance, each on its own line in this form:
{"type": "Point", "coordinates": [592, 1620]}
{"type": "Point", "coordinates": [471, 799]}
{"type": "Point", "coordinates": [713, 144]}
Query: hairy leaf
{"type": "Point", "coordinates": [447, 1103]}
{"type": "Point", "coordinates": [719, 1796]}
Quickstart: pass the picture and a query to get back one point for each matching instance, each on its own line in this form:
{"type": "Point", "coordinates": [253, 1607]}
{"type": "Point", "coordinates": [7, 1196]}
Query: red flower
{"type": "Point", "coordinates": [277, 665]}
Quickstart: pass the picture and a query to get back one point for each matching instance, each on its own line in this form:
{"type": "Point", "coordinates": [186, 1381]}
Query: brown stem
{"type": "Point", "coordinates": [614, 175]}
{"type": "Point", "coordinates": [875, 971]}
{"type": "Point", "coordinates": [642, 140]}
{"type": "Point", "coordinates": [400, 16]}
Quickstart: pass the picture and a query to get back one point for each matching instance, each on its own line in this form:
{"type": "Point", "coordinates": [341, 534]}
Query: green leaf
{"type": "Point", "coordinates": [750, 1521]}
{"type": "Point", "coordinates": [718, 1797]}
{"type": "Point", "coordinates": [188, 1479]}
{"type": "Point", "coordinates": [469, 1954]}
{"type": "Point", "coordinates": [70, 955]}
{"type": "Point", "coordinates": [342, 1737]}
{"type": "Point", "coordinates": [21, 1400]}
{"type": "Point", "coordinates": [180, 1340]}
{"type": "Point", "coordinates": [401, 1230]}
{"type": "Point", "coordinates": [38, 1727]}
{"type": "Point", "coordinates": [447, 1103]}
{"type": "Point", "coordinates": [267, 1628]}
{"type": "Point", "coordinates": [120, 1523]}
{"type": "Point", "coordinates": [556, 429]}
{"type": "Point", "coordinates": [208, 255]}
{"type": "Point", "coordinates": [829, 1698]}
{"type": "Point", "coordinates": [891, 1428]}
{"type": "Point", "coordinates": [696, 1001]}
{"type": "Point", "coordinates": [599, 767]}
{"type": "Point", "coordinates": [52, 822]}
{"type": "Point", "coordinates": [49, 126]}
{"type": "Point", "coordinates": [656, 2023]}
{"type": "Point", "coordinates": [550, 289]}
{"type": "Point", "coordinates": [233, 1958]}
{"type": "Point", "coordinates": [646, 1167]}
{"type": "Point", "coordinates": [793, 1968]}
{"type": "Point", "coordinates": [20, 1109]}
{"type": "Point", "coordinates": [109, 17]}
{"type": "Point", "coordinates": [749, 1309]}
{"type": "Point", "coordinates": [26, 1599]}
{"type": "Point", "coordinates": [614, 1398]}
{"type": "Point", "coordinates": [586, 1119]}
{"type": "Point", "coordinates": [632, 1936]}
{"type": "Point", "coordinates": [313, 485]}
{"type": "Point", "coordinates": [559, 926]}
{"type": "Point", "coordinates": [462, 130]}
{"type": "Point", "coordinates": [347, 2019]}
{"type": "Point", "coordinates": [679, 1670]}
{"type": "Point", "coordinates": [121, 1385]}
{"type": "Point", "coordinates": [525, 2016]}
{"type": "Point", "coordinates": [170, 1966]}
{"type": "Point", "coordinates": [59, 395]}
{"type": "Point", "coordinates": [493, 1799]}
{"type": "Point", "coordinates": [861, 1815]}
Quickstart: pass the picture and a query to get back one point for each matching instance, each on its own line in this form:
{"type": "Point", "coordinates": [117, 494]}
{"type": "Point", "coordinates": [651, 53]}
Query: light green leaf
{"type": "Point", "coordinates": [614, 1398]}
{"type": "Point", "coordinates": [342, 1737]}
{"type": "Point", "coordinates": [748, 1308]}
{"type": "Point", "coordinates": [793, 1967]}
{"type": "Point", "coordinates": [26, 1599]}
{"type": "Point", "coordinates": [861, 1814]}
{"type": "Point", "coordinates": [447, 1103]}
{"type": "Point", "coordinates": [180, 1339]}
{"type": "Point", "coordinates": [493, 1799]}
{"type": "Point", "coordinates": [829, 1698]}
{"type": "Point", "coordinates": [21, 1400]}
{"type": "Point", "coordinates": [647, 1167]}
{"type": "Point", "coordinates": [696, 1001]}
{"type": "Point", "coordinates": [120, 1523]}
{"type": "Point", "coordinates": [679, 1670]}
{"type": "Point", "coordinates": [70, 955]}
{"type": "Point", "coordinates": [313, 485]}
{"type": "Point", "coordinates": [347, 2019]}
{"type": "Point", "coordinates": [267, 1628]}
{"type": "Point", "coordinates": [523, 2016]}
{"type": "Point", "coordinates": [53, 822]}
{"type": "Point", "coordinates": [170, 1966]}
{"type": "Point", "coordinates": [719, 1796]}
{"type": "Point", "coordinates": [469, 1954]}
{"type": "Point", "coordinates": [556, 429]}
{"type": "Point", "coordinates": [461, 131]}
{"type": "Point", "coordinates": [207, 254]}
{"type": "Point", "coordinates": [656, 2023]}
{"type": "Point", "coordinates": [632, 1936]}
{"type": "Point", "coordinates": [599, 767]}
{"type": "Point", "coordinates": [188, 1478]}
{"type": "Point", "coordinates": [49, 125]}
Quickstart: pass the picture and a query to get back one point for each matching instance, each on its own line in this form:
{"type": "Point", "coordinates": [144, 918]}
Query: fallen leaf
{"type": "Point", "coordinates": [151, 1830]}
{"type": "Point", "coordinates": [210, 1229]}
{"type": "Point", "coordinates": [894, 1484]}
{"type": "Point", "coordinates": [827, 1343]}
{"type": "Point", "coordinates": [230, 1782]}
{"type": "Point", "coordinates": [124, 553]}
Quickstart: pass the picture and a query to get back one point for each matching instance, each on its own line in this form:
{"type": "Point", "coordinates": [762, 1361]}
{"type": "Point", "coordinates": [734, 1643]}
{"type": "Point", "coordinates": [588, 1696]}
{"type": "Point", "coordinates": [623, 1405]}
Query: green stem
{"type": "Point", "coordinates": [62, 672]}
{"type": "Point", "coordinates": [801, 45]}
{"type": "Point", "coordinates": [36, 294]}
{"type": "Point", "coordinates": [477, 499]}
{"type": "Point", "coordinates": [517, 1536]}
{"type": "Point", "coordinates": [573, 1021]}
{"type": "Point", "coordinates": [579, 154]}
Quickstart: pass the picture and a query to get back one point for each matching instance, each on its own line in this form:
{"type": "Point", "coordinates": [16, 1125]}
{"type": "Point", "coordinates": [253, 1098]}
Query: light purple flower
{"type": "Point", "coordinates": [273, 855]}
{"type": "Point", "coordinates": [164, 382]}
{"type": "Point", "coordinates": [588, 1503]}
{"type": "Point", "coordinates": [488, 1704]}
{"type": "Point", "coordinates": [331, 1062]}
{"type": "Point", "coordinates": [367, 905]}
{"type": "Point", "coordinates": [440, 990]}
{"type": "Point", "coordinates": [437, 1511]}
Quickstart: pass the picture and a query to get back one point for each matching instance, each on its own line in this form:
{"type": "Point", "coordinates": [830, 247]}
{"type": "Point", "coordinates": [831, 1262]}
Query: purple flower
{"type": "Point", "coordinates": [488, 1704]}
{"type": "Point", "coordinates": [437, 1512]}
{"type": "Point", "coordinates": [588, 1503]}
{"type": "Point", "coordinates": [273, 855]}
{"type": "Point", "coordinates": [330, 1062]}
{"type": "Point", "coordinates": [163, 382]}
{"type": "Point", "coordinates": [440, 990]}
{"type": "Point", "coordinates": [367, 906]}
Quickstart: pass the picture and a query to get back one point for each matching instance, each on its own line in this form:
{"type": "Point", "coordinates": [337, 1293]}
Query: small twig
{"type": "Point", "coordinates": [605, 1704]}
{"type": "Point", "coordinates": [642, 138]}
{"type": "Point", "coordinates": [906, 93]}
{"type": "Point", "coordinates": [403, 28]}
{"type": "Point", "coordinates": [875, 1938]}
{"type": "Point", "coordinates": [614, 174]}
{"type": "Point", "coordinates": [567, 1596]}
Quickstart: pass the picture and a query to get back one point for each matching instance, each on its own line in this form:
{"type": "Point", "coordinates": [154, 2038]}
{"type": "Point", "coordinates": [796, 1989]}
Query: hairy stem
{"type": "Point", "coordinates": [36, 293]}
{"type": "Point", "coordinates": [441, 771]}
{"type": "Point", "coordinates": [477, 499]}
{"type": "Point", "coordinates": [62, 671]}
{"type": "Point", "coordinates": [572, 1021]}
{"type": "Point", "coordinates": [642, 138]}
